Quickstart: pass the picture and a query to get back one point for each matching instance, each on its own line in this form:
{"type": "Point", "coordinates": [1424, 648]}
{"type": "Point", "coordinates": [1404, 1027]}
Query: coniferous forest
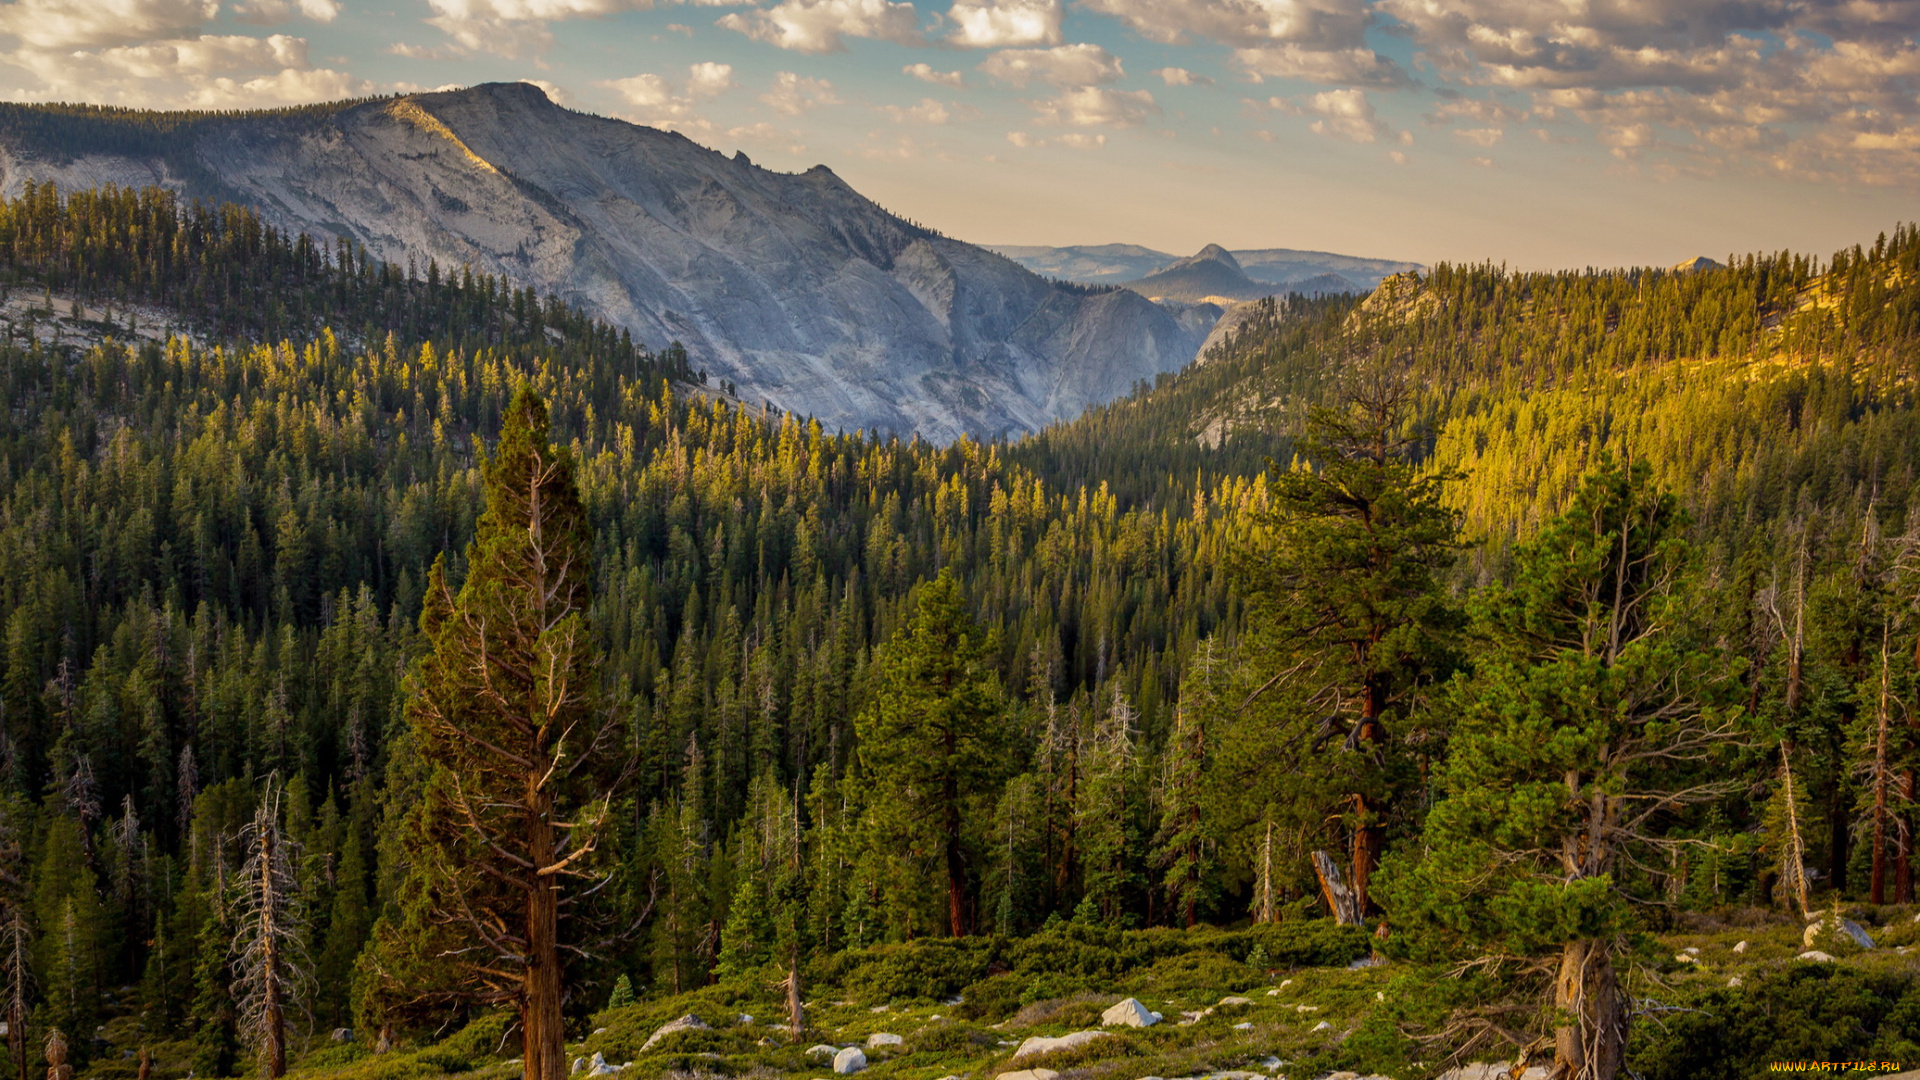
{"type": "Point", "coordinates": [405, 674]}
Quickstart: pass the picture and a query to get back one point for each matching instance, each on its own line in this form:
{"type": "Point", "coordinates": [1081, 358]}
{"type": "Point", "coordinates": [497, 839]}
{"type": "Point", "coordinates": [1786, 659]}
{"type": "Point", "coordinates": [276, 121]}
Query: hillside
{"type": "Point", "coordinates": [794, 287]}
{"type": "Point", "coordinates": [1290, 269]}
{"type": "Point", "coordinates": [957, 743]}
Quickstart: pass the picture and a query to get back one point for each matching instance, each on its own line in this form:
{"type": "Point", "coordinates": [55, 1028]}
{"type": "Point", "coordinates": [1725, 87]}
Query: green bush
{"type": "Point", "coordinates": [931, 969]}
{"type": "Point", "coordinates": [1800, 1013]}
{"type": "Point", "coordinates": [1197, 971]}
{"type": "Point", "coordinates": [950, 1038]}
{"type": "Point", "coordinates": [993, 998]}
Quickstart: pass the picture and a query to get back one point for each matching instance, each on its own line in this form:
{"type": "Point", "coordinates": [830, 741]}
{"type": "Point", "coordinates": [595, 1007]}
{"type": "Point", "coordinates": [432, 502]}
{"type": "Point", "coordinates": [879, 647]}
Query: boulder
{"type": "Point", "coordinates": [342, 1035]}
{"type": "Point", "coordinates": [1029, 1074]}
{"type": "Point", "coordinates": [1129, 1013]}
{"type": "Point", "coordinates": [1322, 1026]}
{"type": "Point", "coordinates": [1816, 956]}
{"type": "Point", "coordinates": [822, 1050]}
{"type": "Point", "coordinates": [1835, 928]}
{"type": "Point", "coordinates": [849, 1061]}
{"type": "Point", "coordinates": [1740, 947]}
{"type": "Point", "coordinates": [688, 1022]}
{"type": "Point", "coordinates": [1236, 1001]}
{"type": "Point", "coordinates": [1244, 1025]}
{"type": "Point", "coordinates": [599, 1067]}
{"type": "Point", "coordinates": [1040, 1044]}
{"type": "Point", "coordinates": [578, 1064]}
{"type": "Point", "coordinates": [883, 1038]}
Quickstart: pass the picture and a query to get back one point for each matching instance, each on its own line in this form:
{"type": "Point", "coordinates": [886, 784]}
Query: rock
{"type": "Point", "coordinates": [849, 1061]}
{"type": "Point", "coordinates": [578, 1064]}
{"type": "Point", "coordinates": [1691, 950]}
{"type": "Point", "coordinates": [822, 1050]}
{"type": "Point", "coordinates": [1834, 926]}
{"type": "Point", "coordinates": [1029, 1074]}
{"type": "Point", "coordinates": [1322, 1026]}
{"type": "Point", "coordinates": [341, 1035]}
{"type": "Point", "coordinates": [1128, 1013]}
{"type": "Point", "coordinates": [1041, 1044]}
{"type": "Point", "coordinates": [1236, 1001]}
{"type": "Point", "coordinates": [743, 1018]}
{"type": "Point", "coordinates": [1364, 963]}
{"type": "Point", "coordinates": [1734, 982]}
{"type": "Point", "coordinates": [1243, 1026]}
{"type": "Point", "coordinates": [883, 1038]}
{"type": "Point", "coordinates": [688, 1022]}
{"type": "Point", "coordinates": [1306, 1008]}
{"type": "Point", "coordinates": [1816, 956]}
{"type": "Point", "coordinates": [1684, 958]}
{"type": "Point", "coordinates": [1740, 947]}
{"type": "Point", "coordinates": [599, 1067]}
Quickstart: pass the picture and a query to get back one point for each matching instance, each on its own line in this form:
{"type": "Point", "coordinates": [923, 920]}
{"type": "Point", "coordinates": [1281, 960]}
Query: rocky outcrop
{"type": "Point", "coordinates": [791, 285]}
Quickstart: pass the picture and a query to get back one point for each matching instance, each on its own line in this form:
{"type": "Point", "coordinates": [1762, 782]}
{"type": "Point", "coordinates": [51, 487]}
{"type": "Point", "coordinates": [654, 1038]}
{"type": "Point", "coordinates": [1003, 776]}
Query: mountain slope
{"type": "Point", "coordinates": [1113, 264]}
{"type": "Point", "coordinates": [793, 286]}
{"type": "Point", "coordinates": [1210, 272]}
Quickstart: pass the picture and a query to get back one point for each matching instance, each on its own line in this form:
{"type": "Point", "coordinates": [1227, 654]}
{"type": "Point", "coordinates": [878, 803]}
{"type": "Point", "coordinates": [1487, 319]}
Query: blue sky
{"type": "Point", "coordinates": [1555, 133]}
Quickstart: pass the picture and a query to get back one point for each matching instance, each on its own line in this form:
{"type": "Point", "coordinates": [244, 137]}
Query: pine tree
{"type": "Point", "coordinates": [507, 713]}
{"type": "Point", "coordinates": [1594, 715]}
{"type": "Point", "coordinates": [272, 975]}
{"type": "Point", "coordinates": [934, 739]}
{"type": "Point", "coordinates": [1184, 844]}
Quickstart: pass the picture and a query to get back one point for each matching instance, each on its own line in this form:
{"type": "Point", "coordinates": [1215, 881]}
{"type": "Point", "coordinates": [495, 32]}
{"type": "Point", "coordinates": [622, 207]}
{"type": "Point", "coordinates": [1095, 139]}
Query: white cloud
{"type": "Point", "coordinates": [1314, 40]}
{"type": "Point", "coordinates": [1480, 136]}
{"type": "Point", "coordinates": [208, 71]}
{"type": "Point", "coordinates": [928, 111]}
{"type": "Point", "coordinates": [994, 24]}
{"type": "Point", "coordinates": [1062, 65]}
{"type": "Point", "coordinates": [1358, 66]}
{"type": "Point", "coordinates": [819, 26]}
{"type": "Point", "coordinates": [1073, 140]}
{"type": "Point", "coordinates": [277, 11]}
{"type": "Point", "coordinates": [795, 94]}
{"type": "Point", "coordinates": [926, 73]}
{"type": "Point", "coordinates": [1174, 76]}
{"type": "Point", "coordinates": [516, 27]}
{"type": "Point", "coordinates": [1096, 106]}
{"type": "Point", "coordinates": [1343, 114]}
{"type": "Point", "coordinates": [672, 106]}
{"type": "Point", "coordinates": [80, 24]}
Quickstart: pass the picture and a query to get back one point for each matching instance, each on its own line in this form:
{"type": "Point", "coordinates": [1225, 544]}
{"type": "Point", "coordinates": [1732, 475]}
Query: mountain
{"type": "Point", "coordinates": [1209, 273]}
{"type": "Point", "coordinates": [794, 287]}
{"type": "Point", "coordinates": [1113, 264]}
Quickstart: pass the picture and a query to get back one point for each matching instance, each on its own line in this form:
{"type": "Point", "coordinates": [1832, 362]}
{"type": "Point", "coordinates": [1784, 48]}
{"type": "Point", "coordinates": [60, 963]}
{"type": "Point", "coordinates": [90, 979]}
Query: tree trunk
{"type": "Point", "coordinates": [1903, 852]}
{"type": "Point", "coordinates": [796, 1013]}
{"type": "Point", "coordinates": [1882, 778]}
{"type": "Point", "coordinates": [1593, 1046]}
{"type": "Point", "coordinates": [543, 1037]}
{"type": "Point", "coordinates": [1369, 839]}
{"type": "Point", "coordinates": [274, 1027]}
{"type": "Point", "coordinates": [1344, 905]}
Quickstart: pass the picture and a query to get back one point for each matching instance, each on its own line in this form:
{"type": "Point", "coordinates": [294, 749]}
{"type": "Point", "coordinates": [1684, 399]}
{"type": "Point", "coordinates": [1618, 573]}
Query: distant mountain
{"type": "Point", "coordinates": [1113, 264]}
{"type": "Point", "coordinates": [793, 286]}
{"type": "Point", "coordinates": [1209, 273]}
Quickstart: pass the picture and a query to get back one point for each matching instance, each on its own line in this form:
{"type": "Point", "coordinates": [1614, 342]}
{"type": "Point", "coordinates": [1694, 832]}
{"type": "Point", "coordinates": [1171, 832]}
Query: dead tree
{"type": "Point", "coordinates": [269, 961]}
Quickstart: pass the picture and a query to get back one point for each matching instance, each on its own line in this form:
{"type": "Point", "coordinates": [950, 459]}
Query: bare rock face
{"type": "Point", "coordinates": [793, 286]}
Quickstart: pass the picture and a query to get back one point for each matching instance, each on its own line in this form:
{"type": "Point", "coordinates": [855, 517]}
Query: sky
{"type": "Point", "coordinates": [1537, 133]}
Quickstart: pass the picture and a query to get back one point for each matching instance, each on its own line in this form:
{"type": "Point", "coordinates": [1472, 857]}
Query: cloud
{"type": "Point", "coordinates": [516, 27]}
{"type": "Point", "coordinates": [1073, 140]}
{"type": "Point", "coordinates": [994, 24]}
{"type": "Point", "coordinates": [820, 26]}
{"type": "Point", "coordinates": [1096, 106]}
{"type": "Point", "coordinates": [1349, 67]}
{"type": "Point", "coordinates": [1314, 40]}
{"type": "Point", "coordinates": [796, 94]}
{"type": "Point", "coordinates": [208, 71]}
{"type": "Point", "coordinates": [1343, 114]}
{"type": "Point", "coordinates": [925, 73]}
{"type": "Point", "coordinates": [669, 105]}
{"type": "Point", "coordinates": [928, 111]}
{"type": "Point", "coordinates": [1174, 76]}
{"type": "Point", "coordinates": [1062, 65]}
{"type": "Point", "coordinates": [269, 12]}
{"type": "Point", "coordinates": [1480, 136]}
{"type": "Point", "coordinates": [83, 24]}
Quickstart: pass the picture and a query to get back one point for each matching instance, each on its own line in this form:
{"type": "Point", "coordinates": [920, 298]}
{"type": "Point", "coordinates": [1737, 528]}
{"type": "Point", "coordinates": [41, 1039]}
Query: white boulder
{"type": "Point", "coordinates": [1740, 947]}
{"type": "Point", "coordinates": [883, 1038]}
{"type": "Point", "coordinates": [688, 1022]}
{"type": "Point", "coordinates": [1040, 1044]}
{"type": "Point", "coordinates": [1129, 1013]}
{"type": "Point", "coordinates": [822, 1050]}
{"type": "Point", "coordinates": [849, 1061]}
{"type": "Point", "coordinates": [1029, 1074]}
{"type": "Point", "coordinates": [1816, 956]}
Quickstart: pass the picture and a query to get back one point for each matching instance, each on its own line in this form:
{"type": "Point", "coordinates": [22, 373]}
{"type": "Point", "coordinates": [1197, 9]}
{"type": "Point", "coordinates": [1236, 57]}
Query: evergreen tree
{"type": "Point", "coordinates": [934, 741]}
{"type": "Point", "coordinates": [1593, 717]}
{"type": "Point", "coordinates": [507, 714]}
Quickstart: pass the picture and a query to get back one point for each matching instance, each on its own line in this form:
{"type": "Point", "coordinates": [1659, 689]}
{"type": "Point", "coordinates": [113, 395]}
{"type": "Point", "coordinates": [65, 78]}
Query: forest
{"type": "Point", "coordinates": [1496, 618]}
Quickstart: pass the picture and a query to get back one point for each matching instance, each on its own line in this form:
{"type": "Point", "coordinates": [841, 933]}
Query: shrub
{"type": "Point", "coordinates": [1198, 971]}
{"type": "Point", "coordinates": [931, 969]}
{"type": "Point", "coordinates": [1802, 1012]}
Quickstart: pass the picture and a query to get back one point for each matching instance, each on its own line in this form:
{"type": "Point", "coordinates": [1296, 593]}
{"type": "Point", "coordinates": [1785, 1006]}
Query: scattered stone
{"type": "Point", "coordinates": [1040, 1044]}
{"type": "Point", "coordinates": [341, 1035]}
{"type": "Point", "coordinates": [1380, 995]}
{"type": "Point", "coordinates": [1322, 1026]}
{"type": "Point", "coordinates": [1362, 964]}
{"type": "Point", "coordinates": [1816, 956]}
{"type": "Point", "coordinates": [1236, 1000]}
{"type": "Point", "coordinates": [849, 1061]}
{"type": "Point", "coordinates": [1244, 1025]}
{"type": "Point", "coordinates": [880, 1008]}
{"type": "Point", "coordinates": [1684, 958]}
{"type": "Point", "coordinates": [1691, 950]}
{"type": "Point", "coordinates": [742, 1019]}
{"type": "Point", "coordinates": [1271, 1063]}
{"type": "Point", "coordinates": [578, 1064]}
{"type": "Point", "coordinates": [822, 1050]}
{"type": "Point", "coordinates": [1029, 1074]}
{"type": "Point", "coordinates": [1833, 924]}
{"type": "Point", "coordinates": [883, 1038]}
{"type": "Point", "coordinates": [688, 1022]}
{"type": "Point", "coordinates": [1740, 947]}
{"type": "Point", "coordinates": [1733, 982]}
{"type": "Point", "coordinates": [1306, 1008]}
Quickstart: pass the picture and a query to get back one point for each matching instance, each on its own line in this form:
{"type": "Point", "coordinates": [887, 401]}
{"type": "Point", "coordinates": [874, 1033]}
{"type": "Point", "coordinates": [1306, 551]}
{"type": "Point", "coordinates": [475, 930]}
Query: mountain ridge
{"type": "Point", "coordinates": [792, 286]}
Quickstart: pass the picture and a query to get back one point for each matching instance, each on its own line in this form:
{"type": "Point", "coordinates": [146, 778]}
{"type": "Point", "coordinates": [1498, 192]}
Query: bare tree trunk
{"type": "Point", "coordinates": [1343, 903]}
{"type": "Point", "coordinates": [1882, 778]}
{"type": "Point", "coordinates": [275, 1025]}
{"type": "Point", "coordinates": [543, 1035]}
{"type": "Point", "coordinates": [796, 1012]}
{"type": "Point", "coordinates": [1369, 839]}
{"type": "Point", "coordinates": [1903, 849]}
{"type": "Point", "coordinates": [1593, 1045]}
{"type": "Point", "coordinates": [1794, 864]}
